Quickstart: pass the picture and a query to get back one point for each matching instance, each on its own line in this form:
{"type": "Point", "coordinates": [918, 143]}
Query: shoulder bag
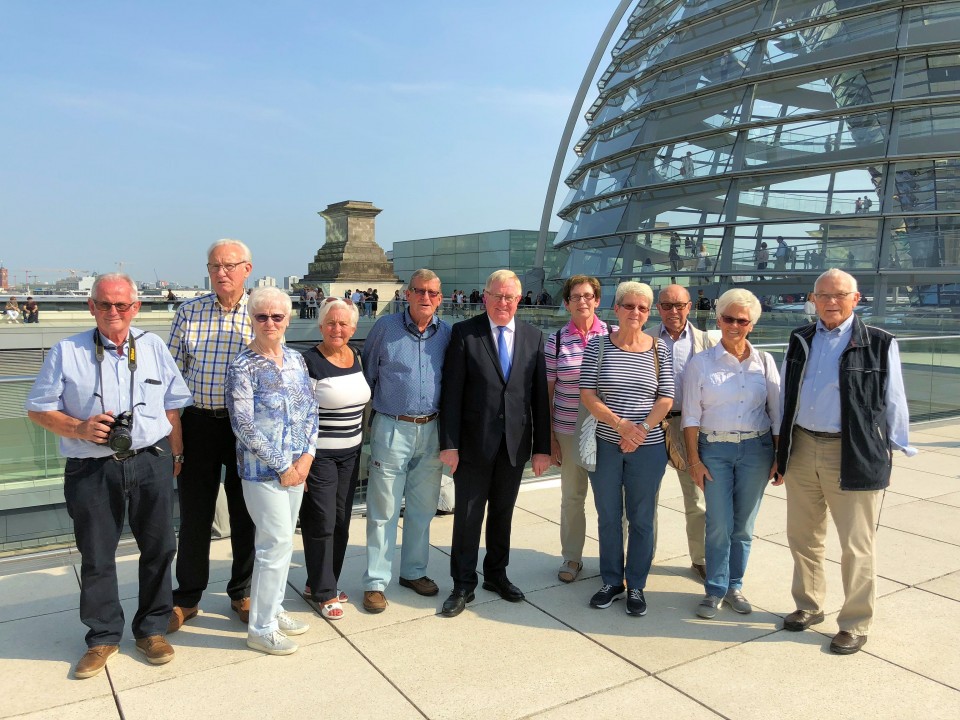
{"type": "Point", "coordinates": [586, 430]}
{"type": "Point", "coordinates": [674, 455]}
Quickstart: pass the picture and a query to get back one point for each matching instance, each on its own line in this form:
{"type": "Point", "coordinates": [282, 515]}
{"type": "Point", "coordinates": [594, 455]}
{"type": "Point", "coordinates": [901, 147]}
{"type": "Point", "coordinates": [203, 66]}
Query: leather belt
{"type": "Point", "coordinates": [416, 419]}
{"type": "Point", "coordinates": [674, 413]}
{"type": "Point", "coordinates": [127, 454]}
{"type": "Point", "coordinates": [731, 437]}
{"type": "Point", "coordinates": [207, 412]}
{"type": "Point", "coordinates": [818, 434]}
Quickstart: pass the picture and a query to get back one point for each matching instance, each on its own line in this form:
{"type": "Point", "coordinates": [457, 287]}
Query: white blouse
{"type": "Point", "coordinates": [721, 394]}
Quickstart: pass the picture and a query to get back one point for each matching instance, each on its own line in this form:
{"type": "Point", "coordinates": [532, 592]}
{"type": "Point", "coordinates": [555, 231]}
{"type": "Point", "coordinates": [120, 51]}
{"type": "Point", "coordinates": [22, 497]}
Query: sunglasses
{"type": "Point", "coordinates": [630, 307]}
{"type": "Point", "coordinates": [105, 306]}
{"type": "Point", "coordinates": [277, 318]}
{"type": "Point", "coordinates": [421, 292]}
{"type": "Point", "coordinates": [742, 322]}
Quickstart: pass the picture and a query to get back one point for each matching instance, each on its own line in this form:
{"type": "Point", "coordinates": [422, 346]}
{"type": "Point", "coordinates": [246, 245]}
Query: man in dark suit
{"type": "Point", "coordinates": [494, 410]}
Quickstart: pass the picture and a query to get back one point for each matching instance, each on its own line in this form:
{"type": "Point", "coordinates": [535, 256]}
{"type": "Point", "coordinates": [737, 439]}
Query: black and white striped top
{"type": "Point", "coordinates": [627, 383]}
{"type": "Point", "coordinates": [341, 395]}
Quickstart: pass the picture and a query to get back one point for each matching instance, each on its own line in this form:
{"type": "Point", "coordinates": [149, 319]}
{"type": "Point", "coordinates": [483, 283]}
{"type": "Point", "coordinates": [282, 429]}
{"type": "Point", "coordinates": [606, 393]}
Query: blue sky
{"type": "Point", "coordinates": [141, 132]}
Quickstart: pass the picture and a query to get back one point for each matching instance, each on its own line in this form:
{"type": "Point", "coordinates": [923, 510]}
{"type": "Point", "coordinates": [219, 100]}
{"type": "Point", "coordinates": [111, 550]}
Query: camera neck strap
{"type": "Point", "coordinates": [131, 363]}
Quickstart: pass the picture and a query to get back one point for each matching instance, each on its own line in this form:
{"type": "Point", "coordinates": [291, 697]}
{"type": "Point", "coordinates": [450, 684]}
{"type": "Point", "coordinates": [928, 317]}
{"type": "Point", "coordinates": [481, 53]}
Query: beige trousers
{"type": "Point", "coordinates": [813, 486]}
{"type": "Point", "coordinates": [694, 505]}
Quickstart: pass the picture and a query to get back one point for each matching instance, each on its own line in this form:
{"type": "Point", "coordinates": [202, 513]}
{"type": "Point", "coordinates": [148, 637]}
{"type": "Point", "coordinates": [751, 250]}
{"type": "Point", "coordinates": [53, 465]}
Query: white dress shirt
{"type": "Point", "coordinates": [509, 332]}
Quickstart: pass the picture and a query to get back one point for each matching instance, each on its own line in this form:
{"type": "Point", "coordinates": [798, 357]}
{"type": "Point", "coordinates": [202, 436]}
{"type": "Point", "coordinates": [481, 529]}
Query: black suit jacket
{"type": "Point", "coordinates": [478, 408]}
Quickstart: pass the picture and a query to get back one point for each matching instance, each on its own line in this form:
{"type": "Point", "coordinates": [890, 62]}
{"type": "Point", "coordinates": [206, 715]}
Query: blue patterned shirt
{"type": "Point", "coordinates": [403, 365]}
{"type": "Point", "coordinates": [273, 413]}
{"type": "Point", "coordinates": [204, 340]}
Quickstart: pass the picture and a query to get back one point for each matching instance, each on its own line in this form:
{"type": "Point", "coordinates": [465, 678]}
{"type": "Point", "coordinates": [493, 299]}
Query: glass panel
{"type": "Point", "coordinates": [468, 243]}
{"type": "Point", "coordinates": [597, 258]}
{"type": "Point", "coordinates": [927, 129]}
{"type": "Point", "coordinates": [823, 192]}
{"type": "Point", "coordinates": [801, 142]}
{"type": "Point", "coordinates": [935, 23]}
{"type": "Point", "coordinates": [674, 206]}
{"type": "Point", "coordinates": [925, 241]}
{"type": "Point", "coordinates": [600, 217]}
{"type": "Point", "coordinates": [925, 185]}
{"type": "Point", "coordinates": [931, 75]}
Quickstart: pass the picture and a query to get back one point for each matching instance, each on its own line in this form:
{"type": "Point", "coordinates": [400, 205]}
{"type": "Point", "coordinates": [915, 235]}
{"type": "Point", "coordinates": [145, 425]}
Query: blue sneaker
{"type": "Point", "coordinates": [604, 597]}
{"type": "Point", "coordinates": [636, 603]}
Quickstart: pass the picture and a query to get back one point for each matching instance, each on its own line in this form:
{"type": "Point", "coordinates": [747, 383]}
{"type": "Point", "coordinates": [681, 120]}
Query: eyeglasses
{"type": "Point", "coordinates": [105, 306]}
{"type": "Point", "coordinates": [214, 268]}
{"type": "Point", "coordinates": [423, 292]}
{"type": "Point", "coordinates": [667, 307]}
{"type": "Point", "coordinates": [585, 296]}
{"type": "Point", "coordinates": [509, 299]}
{"type": "Point", "coordinates": [729, 320]}
{"type": "Point", "coordinates": [630, 307]}
{"type": "Point", "coordinates": [277, 318]}
{"type": "Point", "coordinates": [839, 297]}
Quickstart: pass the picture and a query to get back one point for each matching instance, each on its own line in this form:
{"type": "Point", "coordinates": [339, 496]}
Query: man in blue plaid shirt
{"type": "Point", "coordinates": [207, 334]}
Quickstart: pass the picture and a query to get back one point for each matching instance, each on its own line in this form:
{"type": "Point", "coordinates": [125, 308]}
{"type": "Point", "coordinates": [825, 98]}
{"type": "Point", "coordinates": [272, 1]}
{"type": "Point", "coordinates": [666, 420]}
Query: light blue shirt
{"type": "Point", "coordinates": [272, 412]}
{"type": "Point", "coordinates": [403, 366]}
{"type": "Point", "coordinates": [682, 350]}
{"type": "Point", "coordinates": [69, 382]}
{"type": "Point", "coordinates": [818, 406]}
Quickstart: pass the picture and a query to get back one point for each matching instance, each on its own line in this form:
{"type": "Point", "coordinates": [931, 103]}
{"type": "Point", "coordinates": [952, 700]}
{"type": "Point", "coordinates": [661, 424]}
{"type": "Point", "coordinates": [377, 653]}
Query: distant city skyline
{"type": "Point", "coordinates": [136, 135]}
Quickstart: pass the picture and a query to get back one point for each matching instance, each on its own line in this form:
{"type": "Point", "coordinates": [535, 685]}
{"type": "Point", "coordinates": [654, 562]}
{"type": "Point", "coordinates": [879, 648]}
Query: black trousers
{"type": "Point", "coordinates": [208, 445]}
{"type": "Point", "coordinates": [325, 518]}
{"type": "Point", "coordinates": [100, 493]}
{"type": "Point", "coordinates": [492, 489]}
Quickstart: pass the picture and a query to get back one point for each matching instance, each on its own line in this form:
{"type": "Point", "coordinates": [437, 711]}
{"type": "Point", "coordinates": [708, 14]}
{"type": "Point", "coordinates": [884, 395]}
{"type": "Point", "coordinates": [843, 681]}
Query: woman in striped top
{"type": "Point", "coordinates": [581, 297]}
{"type": "Point", "coordinates": [341, 393]}
{"type": "Point", "coordinates": [629, 398]}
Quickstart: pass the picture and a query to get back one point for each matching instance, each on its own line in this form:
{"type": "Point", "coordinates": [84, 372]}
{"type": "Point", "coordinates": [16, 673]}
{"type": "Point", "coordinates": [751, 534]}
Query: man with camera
{"type": "Point", "coordinates": [113, 395]}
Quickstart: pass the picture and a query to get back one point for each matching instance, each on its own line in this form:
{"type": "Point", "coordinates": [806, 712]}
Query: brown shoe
{"type": "Point", "coordinates": [94, 660]}
{"type": "Point", "coordinates": [800, 620]}
{"type": "Point", "coordinates": [421, 586]}
{"type": "Point", "coordinates": [374, 601]}
{"type": "Point", "coordinates": [700, 570]}
{"type": "Point", "coordinates": [845, 643]}
{"type": "Point", "coordinates": [156, 648]}
{"type": "Point", "coordinates": [179, 616]}
{"type": "Point", "coordinates": [242, 608]}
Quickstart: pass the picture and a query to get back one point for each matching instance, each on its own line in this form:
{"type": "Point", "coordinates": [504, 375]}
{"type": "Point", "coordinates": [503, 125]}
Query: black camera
{"type": "Point", "coordinates": [120, 438]}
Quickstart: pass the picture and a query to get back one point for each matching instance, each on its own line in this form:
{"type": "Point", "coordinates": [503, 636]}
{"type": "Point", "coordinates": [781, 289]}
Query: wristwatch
{"type": "Point", "coordinates": [178, 459]}
{"type": "Point", "coordinates": [643, 424]}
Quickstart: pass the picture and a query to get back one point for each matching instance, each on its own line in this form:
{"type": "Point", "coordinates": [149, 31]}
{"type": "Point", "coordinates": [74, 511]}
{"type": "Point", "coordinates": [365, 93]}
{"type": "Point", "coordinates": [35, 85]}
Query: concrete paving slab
{"type": "Point", "coordinates": [669, 634]}
{"type": "Point", "coordinates": [648, 692]}
{"type": "Point", "coordinates": [102, 708]}
{"type": "Point", "coordinates": [214, 639]}
{"type": "Point", "coordinates": [274, 687]}
{"type": "Point", "coordinates": [928, 519]}
{"type": "Point", "coordinates": [934, 463]}
{"type": "Point", "coordinates": [948, 499]}
{"type": "Point", "coordinates": [926, 442]}
{"type": "Point", "coordinates": [39, 592]}
{"type": "Point", "coordinates": [36, 664]}
{"type": "Point", "coordinates": [755, 681]}
{"type": "Point", "coordinates": [920, 634]}
{"type": "Point", "coordinates": [949, 430]}
{"type": "Point", "coordinates": [921, 484]}
{"type": "Point", "coordinates": [496, 660]}
{"type": "Point", "coordinates": [947, 585]}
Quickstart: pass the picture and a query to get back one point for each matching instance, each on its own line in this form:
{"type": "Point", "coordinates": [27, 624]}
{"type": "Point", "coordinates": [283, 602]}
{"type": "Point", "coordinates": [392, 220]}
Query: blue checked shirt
{"type": "Point", "coordinates": [273, 413]}
{"type": "Point", "coordinates": [403, 365]}
{"type": "Point", "coordinates": [204, 340]}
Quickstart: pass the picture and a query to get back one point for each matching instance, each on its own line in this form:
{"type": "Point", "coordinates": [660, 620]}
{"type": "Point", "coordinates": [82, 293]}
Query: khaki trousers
{"type": "Point", "coordinates": [813, 486]}
{"type": "Point", "coordinates": [694, 504]}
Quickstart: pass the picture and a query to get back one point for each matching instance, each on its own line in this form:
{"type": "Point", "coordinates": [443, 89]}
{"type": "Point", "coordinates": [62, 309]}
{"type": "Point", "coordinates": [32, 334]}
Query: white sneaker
{"type": "Point", "coordinates": [275, 643]}
{"type": "Point", "coordinates": [291, 626]}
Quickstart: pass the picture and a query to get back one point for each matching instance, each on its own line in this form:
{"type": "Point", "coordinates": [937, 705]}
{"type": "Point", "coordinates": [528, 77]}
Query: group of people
{"type": "Point", "coordinates": [310, 299]}
{"type": "Point", "coordinates": [29, 312]}
{"type": "Point", "coordinates": [226, 396]}
{"type": "Point", "coordinates": [367, 301]}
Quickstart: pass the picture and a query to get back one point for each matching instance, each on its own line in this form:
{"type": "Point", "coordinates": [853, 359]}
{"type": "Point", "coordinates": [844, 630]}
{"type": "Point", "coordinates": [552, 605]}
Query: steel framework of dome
{"type": "Point", "coordinates": [722, 126]}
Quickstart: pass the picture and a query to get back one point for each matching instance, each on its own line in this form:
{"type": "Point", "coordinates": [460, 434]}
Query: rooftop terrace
{"type": "Point", "coordinates": [549, 657]}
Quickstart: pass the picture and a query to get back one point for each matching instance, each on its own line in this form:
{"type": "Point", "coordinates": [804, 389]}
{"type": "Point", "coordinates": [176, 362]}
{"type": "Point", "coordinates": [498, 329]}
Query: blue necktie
{"type": "Point", "coordinates": [503, 352]}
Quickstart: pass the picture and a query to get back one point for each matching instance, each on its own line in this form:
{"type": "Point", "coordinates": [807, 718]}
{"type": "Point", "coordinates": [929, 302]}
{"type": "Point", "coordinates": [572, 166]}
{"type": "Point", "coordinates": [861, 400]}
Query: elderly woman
{"type": "Point", "coordinates": [730, 404]}
{"type": "Point", "coordinates": [274, 416]}
{"type": "Point", "coordinates": [341, 393]}
{"type": "Point", "coordinates": [564, 353]}
{"type": "Point", "coordinates": [628, 387]}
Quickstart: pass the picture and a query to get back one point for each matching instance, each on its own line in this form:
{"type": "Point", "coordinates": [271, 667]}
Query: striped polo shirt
{"type": "Point", "coordinates": [564, 370]}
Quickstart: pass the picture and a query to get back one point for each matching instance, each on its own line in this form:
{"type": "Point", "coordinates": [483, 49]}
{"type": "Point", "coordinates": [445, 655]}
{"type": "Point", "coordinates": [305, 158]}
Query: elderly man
{"type": "Point", "coordinates": [844, 412]}
{"type": "Point", "coordinates": [206, 335]}
{"type": "Point", "coordinates": [494, 409]}
{"type": "Point", "coordinates": [403, 360]}
{"type": "Point", "coordinates": [113, 396]}
{"type": "Point", "coordinates": [684, 341]}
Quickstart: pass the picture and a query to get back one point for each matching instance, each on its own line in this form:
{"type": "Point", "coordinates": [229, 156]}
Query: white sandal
{"type": "Point", "coordinates": [332, 610]}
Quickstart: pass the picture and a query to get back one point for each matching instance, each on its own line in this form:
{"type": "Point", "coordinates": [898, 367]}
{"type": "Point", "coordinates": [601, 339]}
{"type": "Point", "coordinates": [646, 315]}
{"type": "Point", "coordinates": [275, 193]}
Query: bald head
{"type": "Point", "coordinates": [673, 303]}
{"type": "Point", "coordinates": [673, 293]}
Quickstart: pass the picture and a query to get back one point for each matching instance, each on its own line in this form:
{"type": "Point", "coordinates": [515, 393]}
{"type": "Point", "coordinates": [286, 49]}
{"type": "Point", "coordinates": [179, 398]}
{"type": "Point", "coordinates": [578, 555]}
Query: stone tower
{"type": "Point", "coordinates": [350, 254]}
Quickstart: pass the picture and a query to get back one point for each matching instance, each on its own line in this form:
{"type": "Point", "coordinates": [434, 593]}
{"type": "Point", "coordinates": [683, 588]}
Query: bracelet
{"type": "Point", "coordinates": [694, 464]}
{"type": "Point", "coordinates": [617, 426]}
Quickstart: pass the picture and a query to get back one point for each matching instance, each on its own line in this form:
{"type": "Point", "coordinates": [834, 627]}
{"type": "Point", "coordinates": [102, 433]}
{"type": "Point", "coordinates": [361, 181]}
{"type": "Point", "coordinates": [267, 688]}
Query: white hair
{"type": "Point", "coordinates": [115, 277]}
{"type": "Point", "coordinates": [336, 303]}
{"type": "Point", "coordinates": [633, 288]}
{"type": "Point", "coordinates": [840, 275]}
{"type": "Point", "coordinates": [247, 257]}
{"type": "Point", "coordinates": [741, 298]}
{"type": "Point", "coordinates": [261, 296]}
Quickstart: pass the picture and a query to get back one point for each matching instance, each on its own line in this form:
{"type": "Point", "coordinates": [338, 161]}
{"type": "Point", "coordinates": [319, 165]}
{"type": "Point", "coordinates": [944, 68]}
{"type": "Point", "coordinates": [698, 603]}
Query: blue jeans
{"type": "Point", "coordinates": [740, 472]}
{"type": "Point", "coordinates": [404, 462]}
{"type": "Point", "coordinates": [634, 477]}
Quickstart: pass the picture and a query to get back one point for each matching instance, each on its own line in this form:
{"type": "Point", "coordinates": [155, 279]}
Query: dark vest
{"type": "Point", "coordinates": [866, 457]}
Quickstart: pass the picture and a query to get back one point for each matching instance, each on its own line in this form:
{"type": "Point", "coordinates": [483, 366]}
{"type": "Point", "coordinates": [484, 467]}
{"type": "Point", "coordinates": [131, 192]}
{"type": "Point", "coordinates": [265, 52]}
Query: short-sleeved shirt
{"type": "Point", "coordinates": [341, 395]}
{"type": "Point", "coordinates": [563, 369]}
{"type": "Point", "coordinates": [628, 383]}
